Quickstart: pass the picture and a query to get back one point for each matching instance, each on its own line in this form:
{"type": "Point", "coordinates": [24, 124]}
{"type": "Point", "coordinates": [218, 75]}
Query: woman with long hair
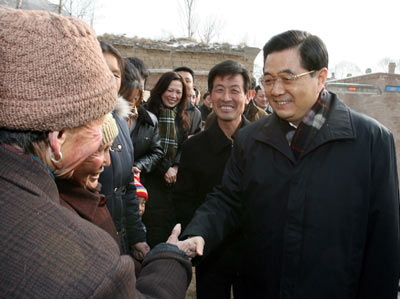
{"type": "Point", "coordinates": [167, 102]}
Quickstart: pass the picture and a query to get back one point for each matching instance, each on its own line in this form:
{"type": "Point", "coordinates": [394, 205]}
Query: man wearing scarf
{"type": "Point", "coordinates": [314, 185]}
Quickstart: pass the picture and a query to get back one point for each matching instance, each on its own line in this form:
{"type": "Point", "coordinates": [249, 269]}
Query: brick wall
{"type": "Point", "coordinates": [384, 107]}
{"type": "Point", "coordinates": [161, 57]}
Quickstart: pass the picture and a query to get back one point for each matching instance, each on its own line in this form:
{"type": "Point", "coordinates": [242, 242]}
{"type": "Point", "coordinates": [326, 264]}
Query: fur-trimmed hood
{"type": "Point", "coordinates": [122, 108]}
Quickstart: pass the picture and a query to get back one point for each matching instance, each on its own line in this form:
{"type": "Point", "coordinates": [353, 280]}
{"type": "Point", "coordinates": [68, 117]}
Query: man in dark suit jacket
{"type": "Point", "coordinates": [201, 168]}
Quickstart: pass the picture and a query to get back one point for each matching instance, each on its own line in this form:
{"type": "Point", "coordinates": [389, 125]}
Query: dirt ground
{"type": "Point", "coordinates": [191, 292]}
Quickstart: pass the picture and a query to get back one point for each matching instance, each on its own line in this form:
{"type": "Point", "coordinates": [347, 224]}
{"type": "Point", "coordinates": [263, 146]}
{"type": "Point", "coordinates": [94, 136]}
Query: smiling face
{"type": "Point", "coordinates": [87, 174]}
{"type": "Point", "coordinates": [79, 144]}
{"type": "Point", "coordinates": [292, 101]}
{"type": "Point", "coordinates": [228, 97]}
{"type": "Point", "coordinates": [173, 95]}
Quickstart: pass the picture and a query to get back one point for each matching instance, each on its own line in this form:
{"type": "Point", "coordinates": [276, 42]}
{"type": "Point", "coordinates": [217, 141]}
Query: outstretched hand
{"type": "Point", "coordinates": [192, 246]}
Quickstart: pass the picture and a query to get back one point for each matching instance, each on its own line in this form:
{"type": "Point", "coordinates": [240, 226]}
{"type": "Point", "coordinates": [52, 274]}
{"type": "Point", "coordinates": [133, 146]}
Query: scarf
{"type": "Point", "coordinates": [166, 126]}
{"type": "Point", "coordinates": [311, 123]}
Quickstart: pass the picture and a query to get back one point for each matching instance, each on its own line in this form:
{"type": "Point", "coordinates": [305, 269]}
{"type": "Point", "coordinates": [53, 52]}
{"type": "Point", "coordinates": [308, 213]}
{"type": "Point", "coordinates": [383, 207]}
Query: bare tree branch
{"type": "Point", "coordinates": [211, 28]}
{"type": "Point", "coordinates": [82, 9]}
{"type": "Point", "coordinates": [189, 18]}
{"type": "Point", "coordinates": [383, 64]}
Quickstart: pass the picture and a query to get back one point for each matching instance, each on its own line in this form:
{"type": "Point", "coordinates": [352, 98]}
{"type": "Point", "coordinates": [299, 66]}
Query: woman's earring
{"type": "Point", "coordinates": [53, 159]}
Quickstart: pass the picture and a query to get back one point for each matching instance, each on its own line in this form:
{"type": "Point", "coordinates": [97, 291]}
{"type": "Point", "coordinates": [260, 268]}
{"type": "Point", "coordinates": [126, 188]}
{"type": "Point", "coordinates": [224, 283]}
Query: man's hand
{"type": "Point", "coordinates": [170, 175]}
{"type": "Point", "coordinates": [192, 246]}
{"type": "Point", "coordinates": [140, 250]}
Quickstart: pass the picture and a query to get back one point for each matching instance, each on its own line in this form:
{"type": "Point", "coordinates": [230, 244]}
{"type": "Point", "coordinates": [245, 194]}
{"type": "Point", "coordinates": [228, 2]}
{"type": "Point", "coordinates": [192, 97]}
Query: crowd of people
{"type": "Point", "coordinates": [285, 194]}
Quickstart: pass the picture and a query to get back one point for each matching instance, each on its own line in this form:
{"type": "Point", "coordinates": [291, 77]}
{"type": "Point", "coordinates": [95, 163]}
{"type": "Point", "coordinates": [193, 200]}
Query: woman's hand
{"type": "Point", "coordinates": [170, 175]}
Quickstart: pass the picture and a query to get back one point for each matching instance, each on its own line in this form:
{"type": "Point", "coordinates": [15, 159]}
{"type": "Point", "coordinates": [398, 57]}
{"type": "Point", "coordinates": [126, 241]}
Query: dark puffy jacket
{"type": "Point", "coordinates": [117, 186]}
{"type": "Point", "coordinates": [146, 142]}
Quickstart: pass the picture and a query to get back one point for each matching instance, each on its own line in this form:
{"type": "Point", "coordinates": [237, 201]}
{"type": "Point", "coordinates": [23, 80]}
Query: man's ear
{"type": "Point", "coordinates": [322, 76]}
{"type": "Point", "coordinates": [56, 139]}
{"type": "Point", "coordinates": [248, 97]}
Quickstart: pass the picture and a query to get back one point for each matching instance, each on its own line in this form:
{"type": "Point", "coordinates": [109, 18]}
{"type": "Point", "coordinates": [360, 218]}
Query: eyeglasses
{"type": "Point", "coordinates": [286, 79]}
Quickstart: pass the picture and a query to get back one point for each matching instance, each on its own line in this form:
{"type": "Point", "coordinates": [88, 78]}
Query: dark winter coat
{"type": "Point", "coordinates": [323, 226]}
{"type": "Point", "coordinates": [195, 118]}
{"type": "Point", "coordinates": [46, 251]}
{"type": "Point", "coordinates": [201, 168]}
{"type": "Point", "coordinates": [159, 217]}
{"type": "Point", "coordinates": [117, 186]}
{"type": "Point", "coordinates": [145, 137]}
{"type": "Point", "coordinates": [205, 111]}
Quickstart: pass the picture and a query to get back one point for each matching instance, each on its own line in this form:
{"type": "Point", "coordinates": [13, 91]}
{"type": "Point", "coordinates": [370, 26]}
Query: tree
{"type": "Point", "coordinates": [188, 17]}
{"type": "Point", "coordinates": [211, 28]}
{"type": "Point", "coordinates": [344, 68]}
{"type": "Point", "coordinates": [383, 64]}
{"type": "Point", "coordinates": [19, 4]}
{"type": "Point", "coordinates": [81, 9]}
{"type": "Point", "coordinates": [60, 7]}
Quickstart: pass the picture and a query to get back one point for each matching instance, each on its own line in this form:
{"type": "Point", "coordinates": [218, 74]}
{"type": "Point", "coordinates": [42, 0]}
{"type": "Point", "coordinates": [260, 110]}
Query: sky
{"type": "Point", "coordinates": [356, 32]}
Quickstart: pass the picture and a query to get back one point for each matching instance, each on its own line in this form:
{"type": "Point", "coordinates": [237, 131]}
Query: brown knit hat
{"type": "Point", "coordinates": [52, 72]}
{"type": "Point", "coordinates": [109, 128]}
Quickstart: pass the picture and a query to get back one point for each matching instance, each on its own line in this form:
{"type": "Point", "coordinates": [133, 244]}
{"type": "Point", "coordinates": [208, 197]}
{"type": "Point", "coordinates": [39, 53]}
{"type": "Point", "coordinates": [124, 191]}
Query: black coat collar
{"type": "Point", "coordinates": [218, 140]}
{"type": "Point", "coordinates": [144, 116]}
{"type": "Point", "coordinates": [337, 126]}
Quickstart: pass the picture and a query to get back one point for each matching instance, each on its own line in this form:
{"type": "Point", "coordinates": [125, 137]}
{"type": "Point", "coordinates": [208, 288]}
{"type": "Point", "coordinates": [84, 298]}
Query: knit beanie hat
{"type": "Point", "coordinates": [53, 74]}
{"type": "Point", "coordinates": [141, 191]}
{"type": "Point", "coordinates": [109, 129]}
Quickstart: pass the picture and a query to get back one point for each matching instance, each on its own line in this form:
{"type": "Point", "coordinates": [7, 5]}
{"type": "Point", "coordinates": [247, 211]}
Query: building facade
{"type": "Point", "coordinates": [374, 94]}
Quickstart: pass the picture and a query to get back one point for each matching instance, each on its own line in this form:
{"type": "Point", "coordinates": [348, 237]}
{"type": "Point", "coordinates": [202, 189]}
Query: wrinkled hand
{"type": "Point", "coordinates": [170, 175]}
{"type": "Point", "coordinates": [176, 231]}
{"type": "Point", "coordinates": [192, 246]}
{"type": "Point", "coordinates": [140, 250]}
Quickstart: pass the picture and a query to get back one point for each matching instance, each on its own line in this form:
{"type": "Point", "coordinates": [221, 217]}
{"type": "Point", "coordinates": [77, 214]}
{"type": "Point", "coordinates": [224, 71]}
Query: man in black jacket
{"type": "Point", "coordinates": [319, 184]}
{"type": "Point", "coordinates": [201, 168]}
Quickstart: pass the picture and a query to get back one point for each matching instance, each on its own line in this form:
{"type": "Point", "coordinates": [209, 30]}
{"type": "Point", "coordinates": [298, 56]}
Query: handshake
{"type": "Point", "coordinates": [192, 246]}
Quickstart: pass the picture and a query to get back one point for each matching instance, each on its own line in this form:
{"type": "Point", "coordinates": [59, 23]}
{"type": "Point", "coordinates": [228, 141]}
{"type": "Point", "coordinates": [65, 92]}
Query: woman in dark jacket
{"type": "Point", "coordinates": [167, 102]}
{"type": "Point", "coordinates": [143, 124]}
{"type": "Point", "coordinates": [117, 179]}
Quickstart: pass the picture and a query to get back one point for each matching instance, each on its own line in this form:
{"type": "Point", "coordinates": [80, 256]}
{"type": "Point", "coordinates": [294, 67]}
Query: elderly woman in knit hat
{"type": "Point", "coordinates": [55, 90]}
{"type": "Point", "coordinates": [80, 193]}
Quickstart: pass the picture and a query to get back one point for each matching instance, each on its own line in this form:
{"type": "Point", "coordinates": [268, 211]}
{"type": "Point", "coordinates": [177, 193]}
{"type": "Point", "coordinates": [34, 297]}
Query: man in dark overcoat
{"type": "Point", "coordinates": [201, 168]}
{"type": "Point", "coordinates": [319, 183]}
